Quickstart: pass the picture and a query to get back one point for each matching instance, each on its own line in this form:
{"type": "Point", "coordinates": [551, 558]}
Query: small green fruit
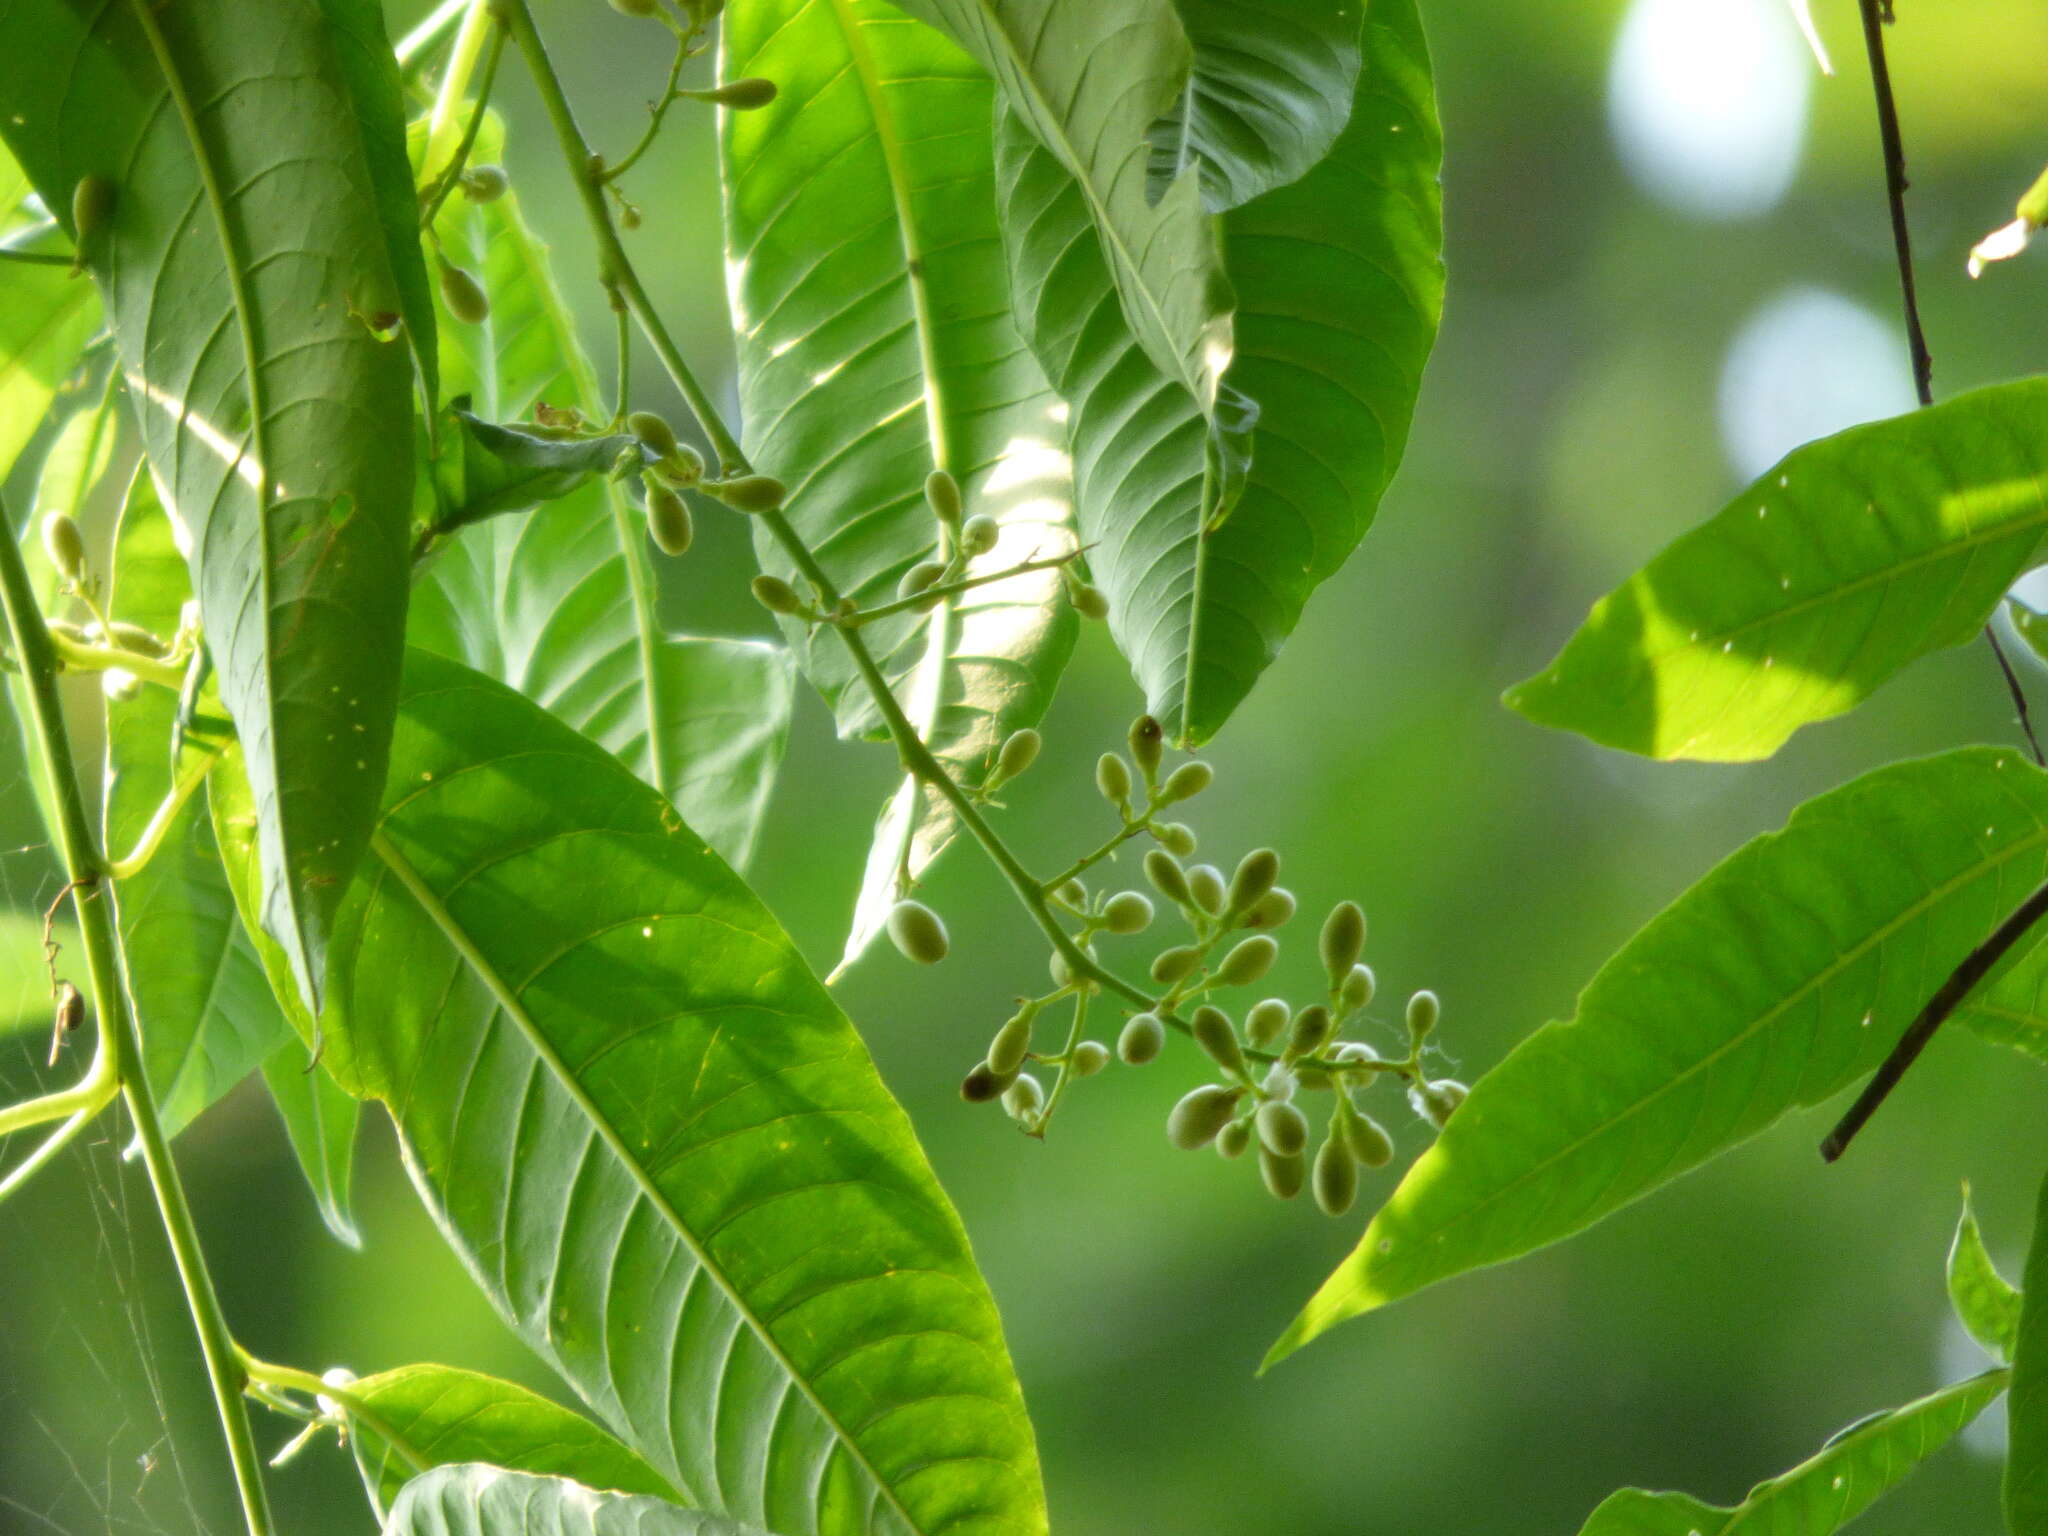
{"type": "Point", "coordinates": [1172, 965]}
{"type": "Point", "coordinates": [1200, 1115]}
{"type": "Point", "coordinates": [1359, 986]}
{"type": "Point", "coordinates": [654, 432]}
{"type": "Point", "coordinates": [1437, 1101]}
{"type": "Point", "coordinates": [1312, 1026]}
{"type": "Point", "coordinates": [1011, 1045]}
{"type": "Point", "coordinates": [668, 519]}
{"type": "Point", "coordinates": [1267, 1022]}
{"type": "Point", "coordinates": [1423, 1012]}
{"type": "Point", "coordinates": [1074, 894]}
{"type": "Point", "coordinates": [1284, 1176]}
{"type": "Point", "coordinates": [924, 574]}
{"type": "Point", "coordinates": [133, 637]}
{"type": "Point", "coordinates": [1167, 877]}
{"type": "Point", "coordinates": [1148, 744]}
{"type": "Point", "coordinates": [463, 294]}
{"type": "Point", "coordinates": [1089, 601]}
{"type": "Point", "coordinates": [1089, 1058]}
{"type": "Point", "coordinates": [65, 545]}
{"type": "Point", "coordinates": [916, 930]}
{"type": "Point", "coordinates": [777, 595]}
{"type": "Point", "coordinates": [1256, 875]}
{"type": "Point", "coordinates": [1176, 837]}
{"type": "Point", "coordinates": [1343, 940]}
{"type": "Point", "coordinates": [1127, 912]}
{"type": "Point", "coordinates": [1336, 1177]}
{"type": "Point", "coordinates": [1019, 752]}
{"type": "Point", "coordinates": [1212, 1030]}
{"type": "Point", "coordinates": [942, 495]}
{"type": "Point", "coordinates": [1113, 779]}
{"type": "Point", "coordinates": [1024, 1098]}
{"type": "Point", "coordinates": [1368, 1140]}
{"type": "Point", "coordinates": [749, 93]}
{"type": "Point", "coordinates": [485, 183]}
{"type": "Point", "coordinates": [1186, 782]}
{"type": "Point", "coordinates": [92, 210]}
{"type": "Point", "coordinates": [751, 493]}
{"type": "Point", "coordinates": [1272, 910]}
{"type": "Point", "coordinates": [1283, 1129]}
{"type": "Point", "coordinates": [1234, 1140]}
{"type": "Point", "coordinates": [1205, 881]}
{"type": "Point", "coordinates": [979, 535]}
{"type": "Point", "coordinates": [1248, 961]}
{"type": "Point", "coordinates": [981, 1085]}
{"type": "Point", "coordinates": [1142, 1039]}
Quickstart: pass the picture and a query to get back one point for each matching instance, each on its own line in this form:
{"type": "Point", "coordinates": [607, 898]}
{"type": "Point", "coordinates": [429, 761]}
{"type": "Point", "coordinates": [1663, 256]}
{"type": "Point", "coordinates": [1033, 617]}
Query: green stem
{"type": "Point", "coordinates": [152, 836]}
{"type": "Point", "coordinates": [453, 173]}
{"type": "Point", "coordinates": [943, 590]}
{"type": "Point", "coordinates": [85, 867]}
{"type": "Point", "coordinates": [656, 111]}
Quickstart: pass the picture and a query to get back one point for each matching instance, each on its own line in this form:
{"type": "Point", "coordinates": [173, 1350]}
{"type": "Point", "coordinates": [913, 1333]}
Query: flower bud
{"type": "Point", "coordinates": [1089, 1058]}
{"type": "Point", "coordinates": [1343, 940]}
{"type": "Point", "coordinates": [1205, 883]}
{"type": "Point", "coordinates": [1006, 1052]}
{"type": "Point", "coordinates": [683, 467]}
{"type": "Point", "coordinates": [1284, 1176]}
{"type": "Point", "coordinates": [1019, 751]}
{"type": "Point", "coordinates": [92, 210]}
{"type": "Point", "coordinates": [1282, 1128]}
{"type": "Point", "coordinates": [1234, 1140]}
{"type": "Point", "coordinates": [1423, 1012]}
{"type": "Point", "coordinates": [916, 930]}
{"type": "Point", "coordinates": [1113, 779]}
{"type": "Point", "coordinates": [777, 595]}
{"type": "Point", "coordinates": [1167, 877]}
{"type": "Point", "coordinates": [1312, 1026]}
{"type": "Point", "coordinates": [1248, 961]}
{"type": "Point", "coordinates": [1061, 972]}
{"type": "Point", "coordinates": [65, 545]}
{"type": "Point", "coordinates": [1256, 873]}
{"type": "Point", "coordinates": [1024, 1098]}
{"type": "Point", "coordinates": [1142, 1039]}
{"type": "Point", "coordinates": [1176, 837]}
{"type": "Point", "coordinates": [982, 1085]}
{"type": "Point", "coordinates": [133, 637]}
{"type": "Point", "coordinates": [484, 183]}
{"type": "Point", "coordinates": [668, 519]}
{"type": "Point", "coordinates": [1200, 1115]}
{"type": "Point", "coordinates": [1172, 965]}
{"type": "Point", "coordinates": [463, 294]}
{"type": "Point", "coordinates": [1437, 1101]}
{"type": "Point", "coordinates": [1279, 1083]}
{"type": "Point", "coordinates": [750, 493]}
{"type": "Point", "coordinates": [1271, 910]}
{"type": "Point", "coordinates": [942, 495]}
{"type": "Point", "coordinates": [1089, 601]}
{"type": "Point", "coordinates": [1335, 1177]}
{"type": "Point", "coordinates": [1356, 993]}
{"type": "Point", "coordinates": [654, 432]}
{"type": "Point", "coordinates": [1355, 1051]}
{"type": "Point", "coordinates": [1368, 1140]}
{"type": "Point", "coordinates": [1148, 743]}
{"type": "Point", "coordinates": [1186, 782]}
{"type": "Point", "coordinates": [978, 535]}
{"type": "Point", "coordinates": [1127, 912]}
{"type": "Point", "coordinates": [1213, 1033]}
{"type": "Point", "coordinates": [749, 93]}
{"type": "Point", "coordinates": [925, 573]}
{"type": "Point", "coordinates": [1267, 1022]}
{"type": "Point", "coordinates": [1074, 894]}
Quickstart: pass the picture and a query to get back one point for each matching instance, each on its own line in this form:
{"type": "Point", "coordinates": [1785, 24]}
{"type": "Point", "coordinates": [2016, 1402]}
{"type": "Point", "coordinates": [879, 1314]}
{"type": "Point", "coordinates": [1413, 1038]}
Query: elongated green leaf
{"type": "Point", "coordinates": [876, 345]}
{"type": "Point", "coordinates": [243, 263]}
{"type": "Point", "coordinates": [201, 1001]}
{"type": "Point", "coordinates": [1270, 91]}
{"type": "Point", "coordinates": [659, 1146]}
{"type": "Point", "coordinates": [1855, 556]}
{"type": "Point", "coordinates": [408, 1421]}
{"type": "Point", "coordinates": [561, 602]}
{"type": "Point", "coordinates": [1985, 1302]}
{"type": "Point", "coordinates": [1340, 286]}
{"type": "Point", "coordinates": [320, 1121]}
{"type": "Point", "coordinates": [1090, 82]}
{"type": "Point", "coordinates": [1785, 974]}
{"type": "Point", "coordinates": [2026, 1457]}
{"type": "Point", "coordinates": [1823, 1493]}
{"type": "Point", "coordinates": [493, 469]}
{"type": "Point", "coordinates": [473, 1500]}
{"type": "Point", "coordinates": [46, 318]}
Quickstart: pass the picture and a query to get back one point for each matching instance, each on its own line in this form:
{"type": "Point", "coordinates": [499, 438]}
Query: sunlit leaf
{"type": "Point", "coordinates": [469, 1499]}
{"type": "Point", "coordinates": [1823, 1493]}
{"type": "Point", "coordinates": [247, 255]}
{"type": "Point", "coordinates": [491, 468]}
{"type": "Point", "coordinates": [658, 1144]}
{"type": "Point", "coordinates": [46, 318]}
{"type": "Point", "coordinates": [876, 345]}
{"type": "Point", "coordinates": [1985, 1301]}
{"type": "Point", "coordinates": [1856, 555]}
{"type": "Point", "coordinates": [2026, 1456]}
{"type": "Point", "coordinates": [320, 1121]}
{"type": "Point", "coordinates": [1784, 975]}
{"type": "Point", "coordinates": [1340, 285]}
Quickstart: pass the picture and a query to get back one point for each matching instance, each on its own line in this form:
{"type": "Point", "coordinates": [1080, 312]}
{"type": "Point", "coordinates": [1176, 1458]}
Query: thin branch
{"type": "Point", "coordinates": [1975, 967]}
{"type": "Point", "coordinates": [452, 175]}
{"type": "Point", "coordinates": [1875, 14]}
{"type": "Point", "coordinates": [2019, 697]}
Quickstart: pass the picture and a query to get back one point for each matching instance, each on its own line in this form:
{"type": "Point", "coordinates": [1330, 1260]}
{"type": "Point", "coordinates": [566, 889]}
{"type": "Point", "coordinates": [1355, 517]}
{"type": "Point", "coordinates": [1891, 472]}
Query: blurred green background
{"type": "Point", "coordinates": [1669, 261]}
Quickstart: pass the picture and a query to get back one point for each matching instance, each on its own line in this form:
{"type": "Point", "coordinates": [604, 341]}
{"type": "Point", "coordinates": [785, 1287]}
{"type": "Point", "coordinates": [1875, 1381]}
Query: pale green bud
{"type": "Point", "coordinates": [1205, 881]}
{"type": "Point", "coordinates": [1423, 1012]}
{"type": "Point", "coordinates": [916, 930]}
{"type": "Point", "coordinates": [1267, 1022]}
{"type": "Point", "coordinates": [1437, 1101]}
{"type": "Point", "coordinates": [1336, 1177]}
{"type": "Point", "coordinates": [1176, 837]}
{"type": "Point", "coordinates": [1256, 873]}
{"type": "Point", "coordinates": [1248, 961]}
{"type": "Point", "coordinates": [1284, 1176]}
{"type": "Point", "coordinates": [1167, 877]}
{"type": "Point", "coordinates": [668, 519]}
{"type": "Point", "coordinates": [1113, 779]}
{"type": "Point", "coordinates": [1186, 782]}
{"type": "Point", "coordinates": [1024, 1098]}
{"type": "Point", "coordinates": [1234, 1140]}
{"type": "Point", "coordinates": [1019, 752]}
{"type": "Point", "coordinates": [1172, 965]}
{"type": "Point", "coordinates": [979, 534]}
{"type": "Point", "coordinates": [656, 436]}
{"type": "Point", "coordinates": [749, 93]}
{"type": "Point", "coordinates": [1089, 1058]}
{"type": "Point", "coordinates": [982, 1085]}
{"type": "Point", "coordinates": [750, 493]}
{"type": "Point", "coordinates": [1282, 1128]}
{"type": "Point", "coordinates": [1368, 1140]}
{"type": "Point", "coordinates": [1272, 909]}
{"type": "Point", "coordinates": [1127, 912]}
{"type": "Point", "coordinates": [1200, 1115]}
{"type": "Point", "coordinates": [634, 7]}
{"type": "Point", "coordinates": [777, 595]}
{"type": "Point", "coordinates": [1312, 1026]}
{"type": "Point", "coordinates": [1074, 894]}
{"type": "Point", "coordinates": [1148, 744]}
{"type": "Point", "coordinates": [1279, 1083]}
{"type": "Point", "coordinates": [1089, 602]}
{"type": "Point", "coordinates": [65, 545]}
{"type": "Point", "coordinates": [925, 573]}
{"type": "Point", "coordinates": [1343, 940]}
{"type": "Point", "coordinates": [1142, 1039]}
{"type": "Point", "coordinates": [942, 495]}
{"type": "Point", "coordinates": [1012, 1043]}
{"type": "Point", "coordinates": [1359, 986]}
{"type": "Point", "coordinates": [1213, 1033]}
{"type": "Point", "coordinates": [463, 294]}
{"type": "Point", "coordinates": [485, 183]}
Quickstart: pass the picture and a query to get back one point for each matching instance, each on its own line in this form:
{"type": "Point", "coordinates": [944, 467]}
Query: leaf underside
{"type": "Point", "coordinates": [469, 1499]}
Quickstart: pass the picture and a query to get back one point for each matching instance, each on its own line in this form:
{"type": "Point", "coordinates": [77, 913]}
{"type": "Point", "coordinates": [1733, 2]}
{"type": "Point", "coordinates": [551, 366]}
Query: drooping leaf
{"type": "Point", "coordinates": [408, 1421]}
{"type": "Point", "coordinates": [561, 601]}
{"type": "Point", "coordinates": [875, 345]}
{"type": "Point", "coordinates": [244, 261]}
{"type": "Point", "coordinates": [1785, 974]}
{"type": "Point", "coordinates": [1340, 285]}
{"type": "Point", "coordinates": [46, 318]}
{"type": "Point", "coordinates": [1270, 91]}
{"type": "Point", "coordinates": [492, 468]}
{"type": "Point", "coordinates": [469, 1499]}
{"type": "Point", "coordinates": [1985, 1301]}
{"type": "Point", "coordinates": [320, 1121]}
{"type": "Point", "coordinates": [658, 1144]}
{"type": "Point", "coordinates": [1853, 557]}
{"type": "Point", "coordinates": [1823, 1493]}
{"type": "Point", "coordinates": [2026, 1456]}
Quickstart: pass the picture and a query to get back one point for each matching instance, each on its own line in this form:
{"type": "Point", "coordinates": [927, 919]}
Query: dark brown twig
{"type": "Point", "coordinates": [2019, 697]}
{"type": "Point", "coordinates": [1875, 14]}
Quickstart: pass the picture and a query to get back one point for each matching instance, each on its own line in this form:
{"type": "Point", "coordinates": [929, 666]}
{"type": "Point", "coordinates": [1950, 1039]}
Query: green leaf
{"type": "Point", "coordinates": [244, 251]}
{"type": "Point", "coordinates": [656, 1141]}
{"type": "Point", "coordinates": [2026, 1457]}
{"type": "Point", "coordinates": [1984, 1300]}
{"type": "Point", "coordinates": [1855, 556]}
{"type": "Point", "coordinates": [46, 318]}
{"type": "Point", "coordinates": [1823, 1493]}
{"type": "Point", "coordinates": [875, 345]}
{"type": "Point", "coordinates": [320, 1121]}
{"type": "Point", "coordinates": [1340, 285]}
{"type": "Point", "coordinates": [418, 1417]}
{"type": "Point", "coordinates": [1784, 975]}
{"type": "Point", "coordinates": [561, 603]}
{"type": "Point", "coordinates": [1270, 91]}
{"type": "Point", "coordinates": [201, 1001]}
{"type": "Point", "coordinates": [470, 1499]}
{"type": "Point", "coordinates": [497, 468]}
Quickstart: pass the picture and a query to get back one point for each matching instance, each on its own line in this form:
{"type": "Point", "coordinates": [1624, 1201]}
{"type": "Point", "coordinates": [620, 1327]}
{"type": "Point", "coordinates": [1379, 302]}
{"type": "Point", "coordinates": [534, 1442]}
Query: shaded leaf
{"type": "Point", "coordinates": [320, 1121]}
{"type": "Point", "coordinates": [1784, 975]}
{"type": "Point", "coordinates": [875, 345]}
{"type": "Point", "coordinates": [408, 1421]}
{"type": "Point", "coordinates": [657, 1143]}
{"type": "Point", "coordinates": [496, 468]}
{"type": "Point", "coordinates": [1823, 1493]}
{"type": "Point", "coordinates": [1985, 1302]}
{"type": "Point", "coordinates": [1340, 285]}
{"type": "Point", "coordinates": [1853, 557]}
{"type": "Point", "coordinates": [474, 1500]}
{"type": "Point", "coordinates": [2026, 1456]}
{"type": "Point", "coordinates": [245, 250]}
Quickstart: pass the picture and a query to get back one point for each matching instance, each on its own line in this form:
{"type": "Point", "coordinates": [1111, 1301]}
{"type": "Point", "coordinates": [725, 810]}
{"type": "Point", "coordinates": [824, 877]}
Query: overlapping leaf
{"type": "Point", "coordinates": [560, 601]}
{"type": "Point", "coordinates": [1339, 284]}
{"type": "Point", "coordinates": [46, 318]}
{"type": "Point", "coordinates": [659, 1146]}
{"type": "Point", "coordinates": [1823, 1493]}
{"type": "Point", "coordinates": [875, 345]}
{"type": "Point", "coordinates": [1781, 977]}
{"type": "Point", "coordinates": [469, 1499]}
{"type": "Point", "coordinates": [2026, 1455]}
{"type": "Point", "coordinates": [246, 257]}
{"type": "Point", "coordinates": [1855, 556]}
{"type": "Point", "coordinates": [1985, 1303]}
